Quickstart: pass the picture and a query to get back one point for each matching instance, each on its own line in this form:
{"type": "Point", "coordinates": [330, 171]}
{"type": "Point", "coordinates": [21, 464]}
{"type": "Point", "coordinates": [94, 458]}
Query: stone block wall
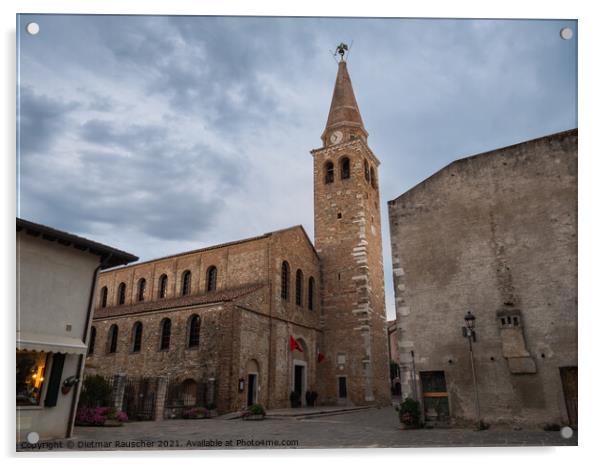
{"type": "Point", "coordinates": [496, 234]}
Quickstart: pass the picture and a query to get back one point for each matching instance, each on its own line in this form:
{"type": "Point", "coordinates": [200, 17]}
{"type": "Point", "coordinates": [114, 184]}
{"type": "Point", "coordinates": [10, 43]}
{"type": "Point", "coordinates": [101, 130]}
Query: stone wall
{"type": "Point", "coordinates": [245, 321]}
{"type": "Point", "coordinates": [496, 234]}
{"type": "Point", "coordinates": [348, 240]}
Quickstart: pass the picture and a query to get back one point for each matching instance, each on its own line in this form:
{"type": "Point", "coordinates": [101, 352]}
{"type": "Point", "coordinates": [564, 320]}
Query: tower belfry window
{"type": "Point", "coordinates": [345, 169]}
{"type": "Point", "coordinates": [329, 177]}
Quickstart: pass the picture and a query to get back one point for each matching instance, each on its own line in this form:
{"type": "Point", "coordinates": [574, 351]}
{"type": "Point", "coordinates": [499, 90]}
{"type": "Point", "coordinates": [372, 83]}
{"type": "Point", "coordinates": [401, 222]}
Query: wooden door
{"type": "Point", "coordinates": [568, 375]}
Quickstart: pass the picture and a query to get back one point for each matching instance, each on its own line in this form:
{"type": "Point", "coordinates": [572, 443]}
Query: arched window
{"type": "Point", "coordinates": [372, 177]}
{"type": "Point", "coordinates": [113, 336]}
{"type": "Point", "coordinates": [104, 292]}
{"type": "Point", "coordinates": [310, 293]}
{"type": "Point", "coordinates": [163, 286]}
{"type": "Point", "coordinates": [92, 340]}
{"type": "Point", "coordinates": [329, 170]}
{"type": "Point", "coordinates": [299, 288]}
{"type": "Point", "coordinates": [121, 293]}
{"type": "Point", "coordinates": [137, 337]}
{"type": "Point", "coordinates": [212, 278]}
{"type": "Point", "coordinates": [186, 282]}
{"type": "Point", "coordinates": [165, 334]}
{"type": "Point", "coordinates": [366, 171]}
{"type": "Point", "coordinates": [284, 280]}
{"type": "Point", "coordinates": [194, 331]}
{"type": "Point", "coordinates": [345, 168]}
{"type": "Point", "coordinates": [141, 289]}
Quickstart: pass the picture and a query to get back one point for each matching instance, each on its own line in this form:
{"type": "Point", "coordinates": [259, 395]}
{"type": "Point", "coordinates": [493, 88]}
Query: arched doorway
{"type": "Point", "coordinates": [252, 371]}
{"type": "Point", "coordinates": [299, 372]}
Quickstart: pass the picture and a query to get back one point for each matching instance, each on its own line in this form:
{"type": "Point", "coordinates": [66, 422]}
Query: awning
{"type": "Point", "coordinates": [50, 343]}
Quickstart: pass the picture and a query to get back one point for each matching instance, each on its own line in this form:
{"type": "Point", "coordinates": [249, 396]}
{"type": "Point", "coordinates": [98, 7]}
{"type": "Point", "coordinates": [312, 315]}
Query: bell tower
{"type": "Point", "coordinates": [349, 242]}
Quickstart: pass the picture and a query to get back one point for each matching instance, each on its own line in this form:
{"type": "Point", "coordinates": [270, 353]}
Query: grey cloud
{"type": "Point", "coordinates": [42, 120]}
{"type": "Point", "coordinates": [430, 91]}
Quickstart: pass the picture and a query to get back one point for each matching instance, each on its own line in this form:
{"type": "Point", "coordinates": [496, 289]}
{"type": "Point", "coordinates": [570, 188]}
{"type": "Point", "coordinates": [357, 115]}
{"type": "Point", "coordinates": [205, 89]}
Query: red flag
{"type": "Point", "coordinates": [321, 356]}
{"type": "Point", "coordinates": [294, 344]}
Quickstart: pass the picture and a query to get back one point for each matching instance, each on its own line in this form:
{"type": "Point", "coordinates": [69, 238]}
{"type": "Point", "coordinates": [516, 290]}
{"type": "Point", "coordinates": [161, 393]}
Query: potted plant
{"type": "Point", "coordinates": [255, 412]}
{"type": "Point", "coordinates": [212, 408]}
{"type": "Point", "coordinates": [311, 397]}
{"type": "Point", "coordinates": [409, 414]}
{"type": "Point", "coordinates": [295, 398]}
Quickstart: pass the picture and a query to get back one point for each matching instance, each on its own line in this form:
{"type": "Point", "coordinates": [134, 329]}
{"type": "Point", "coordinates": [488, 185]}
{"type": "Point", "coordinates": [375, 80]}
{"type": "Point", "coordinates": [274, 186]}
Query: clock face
{"type": "Point", "coordinates": [336, 137]}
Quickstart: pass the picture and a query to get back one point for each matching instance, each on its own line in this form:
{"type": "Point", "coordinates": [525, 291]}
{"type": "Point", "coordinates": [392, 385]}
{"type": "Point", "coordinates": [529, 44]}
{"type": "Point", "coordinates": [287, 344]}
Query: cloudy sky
{"type": "Point", "coordinates": [161, 134]}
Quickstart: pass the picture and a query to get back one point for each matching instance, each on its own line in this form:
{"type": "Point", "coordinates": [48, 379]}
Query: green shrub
{"type": "Point", "coordinates": [96, 391]}
{"type": "Point", "coordinates": [409, 412]}
{"type": "Point", "coordinates": [256, 409]}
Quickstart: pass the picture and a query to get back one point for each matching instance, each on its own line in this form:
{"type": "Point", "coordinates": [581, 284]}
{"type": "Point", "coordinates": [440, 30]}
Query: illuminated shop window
{"type": "Point", "coordinates": [30, 377]}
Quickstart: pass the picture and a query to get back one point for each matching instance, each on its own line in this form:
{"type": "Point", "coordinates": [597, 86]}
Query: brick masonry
{"type": "Point", "coordinates": [246, 323]}
{"type": "Point", "coordinates": [496, 234]}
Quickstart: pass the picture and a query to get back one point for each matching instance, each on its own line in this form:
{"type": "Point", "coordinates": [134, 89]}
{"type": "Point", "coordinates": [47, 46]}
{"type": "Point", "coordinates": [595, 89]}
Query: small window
{"type": "Point", "coordinates": [329, 170]}
{"type": "Point", "coordinates": [92, 340]}
{"type": "Point", "coordinates": [345, 168]}
{"type": "Point", "coordinates": [121, 293]}
{"type": "Point", "coordinates": [103, 296]}
{"type": "Point", "coordinates": [163, 286]}
{"type": "Point", "coordinates": [212, 278]}
{"type": "Point", "coordinates": [372, 177]}
{"type": "Point", "coordinates": [113, 336]}
{"type": "Point", "coordinates": [186, 279]}
{"type": "Point", "coordinates": [284, 281]}
{"type": "Point", "coordinates": [366, 171]}
{"type": "Point", "coordinates": [165, 334]}
{"type": "Point", "coordinates": [141, 289]}
{"type": "Point", "coordinates": [310, 293]}
{"type": "Point", "coordinates": [137, 337]}
{"type": "Point", "coordinates": [299, 288]}
{"type": "Point", "coordinates": [194, 331]}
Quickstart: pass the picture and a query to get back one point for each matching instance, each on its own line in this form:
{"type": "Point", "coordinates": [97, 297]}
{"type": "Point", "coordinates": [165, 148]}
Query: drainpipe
{"type": "Point", "coordinates": [81, 360]}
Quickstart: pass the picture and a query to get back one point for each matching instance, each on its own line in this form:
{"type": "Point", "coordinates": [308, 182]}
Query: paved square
{"type": "Point", "coordinates": [366, 428]}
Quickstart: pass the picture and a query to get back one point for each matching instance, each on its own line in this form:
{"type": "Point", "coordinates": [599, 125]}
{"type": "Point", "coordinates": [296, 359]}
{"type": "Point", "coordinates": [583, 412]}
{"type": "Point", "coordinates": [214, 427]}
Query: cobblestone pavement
{"type": "Point", "coordinates": [367, 428]}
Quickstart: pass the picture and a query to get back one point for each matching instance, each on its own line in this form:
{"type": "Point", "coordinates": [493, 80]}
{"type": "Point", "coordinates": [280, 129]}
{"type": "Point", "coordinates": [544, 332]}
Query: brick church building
{"type": "Point", "coordinates": [256, 319]}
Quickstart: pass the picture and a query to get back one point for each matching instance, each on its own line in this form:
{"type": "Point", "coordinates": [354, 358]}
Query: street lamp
{"type": "Point", "coordinates": [468, 331]}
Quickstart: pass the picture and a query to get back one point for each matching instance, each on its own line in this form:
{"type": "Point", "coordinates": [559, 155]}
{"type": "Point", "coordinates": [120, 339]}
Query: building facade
{"type": "Point", "coordinates": [56, 274]}
{"type": "Point", "coordinates": [494, 234]}
{"type": "Point", "coordinates": [270, 318]}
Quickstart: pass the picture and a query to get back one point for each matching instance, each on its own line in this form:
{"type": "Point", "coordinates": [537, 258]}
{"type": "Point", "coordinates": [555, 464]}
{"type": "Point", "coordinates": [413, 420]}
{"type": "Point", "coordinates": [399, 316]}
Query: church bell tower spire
{"type": "Point", "coordinates": [348, 240]}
